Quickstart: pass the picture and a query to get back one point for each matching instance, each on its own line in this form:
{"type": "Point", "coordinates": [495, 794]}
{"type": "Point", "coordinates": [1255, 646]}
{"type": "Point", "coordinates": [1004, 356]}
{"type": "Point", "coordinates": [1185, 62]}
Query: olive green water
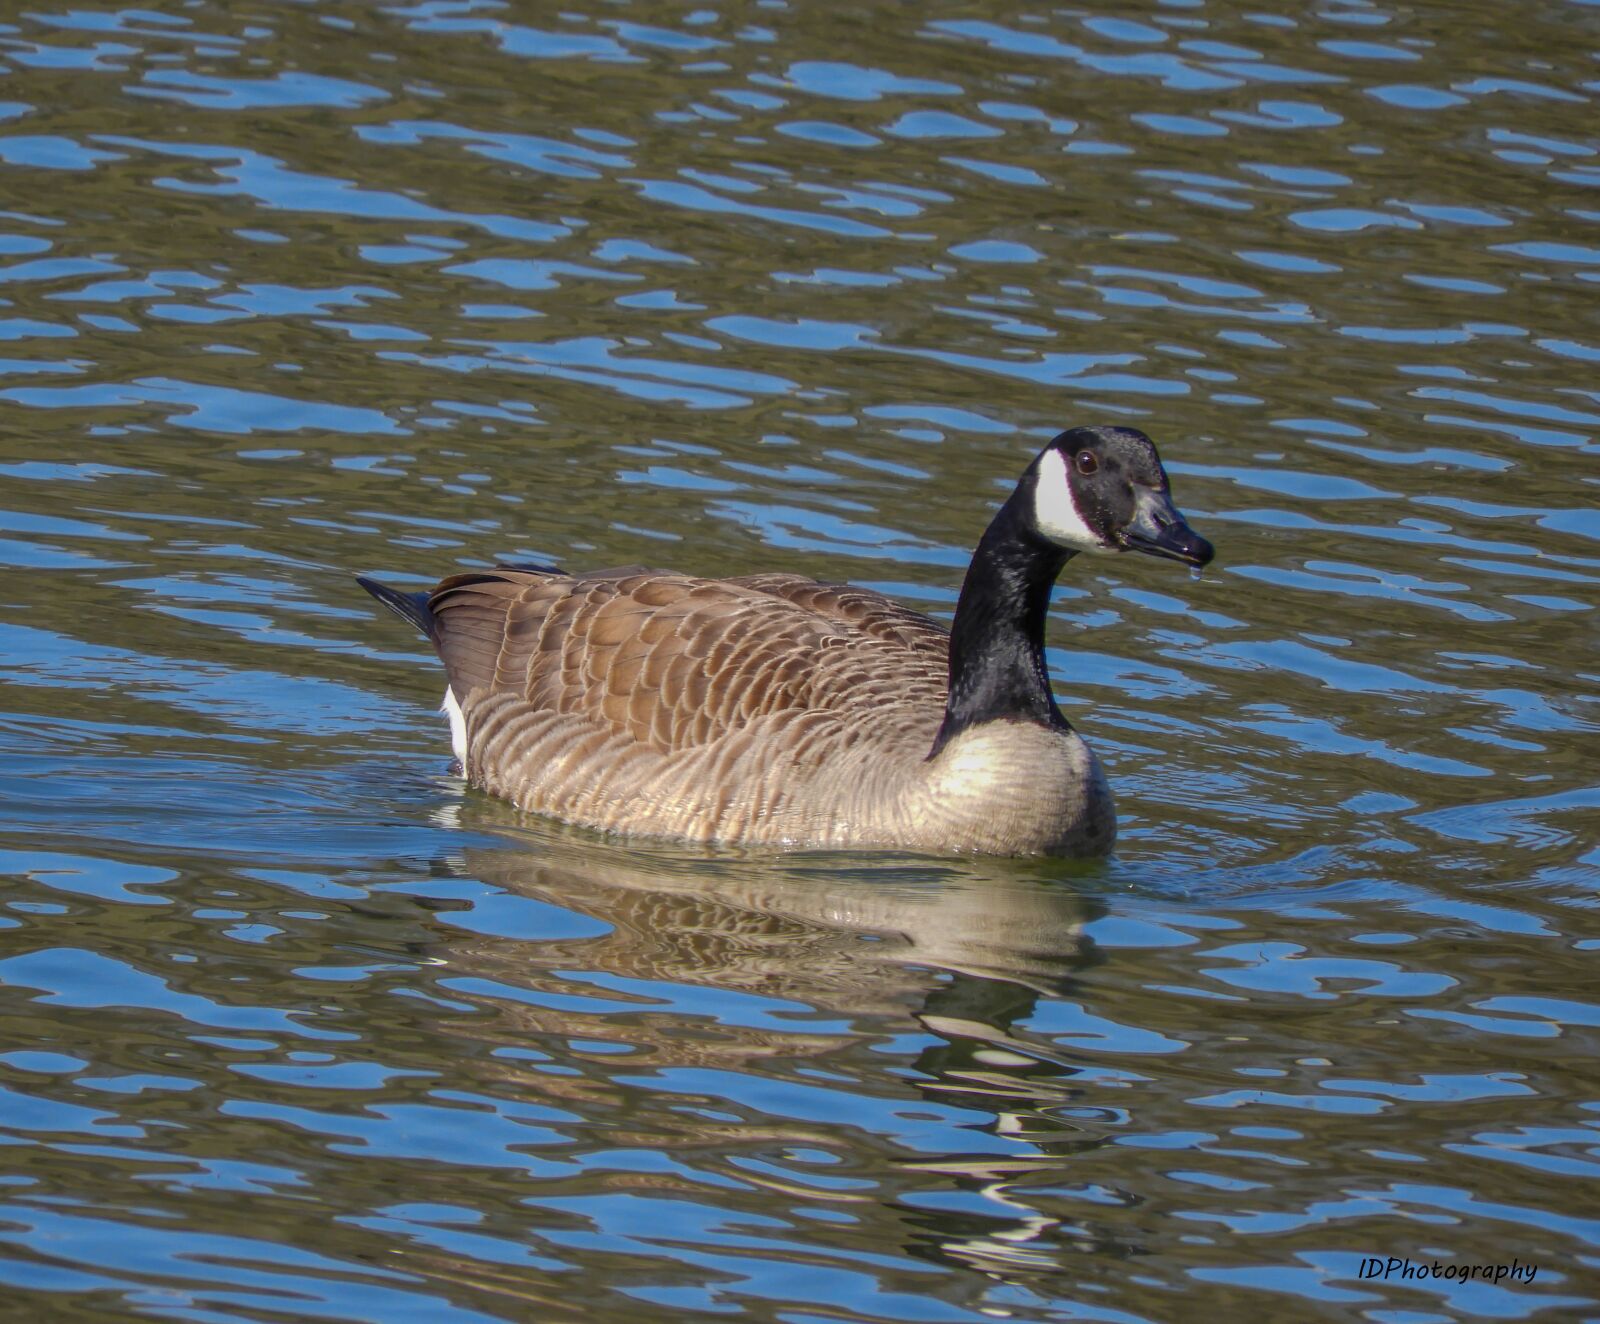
{"type": "Point", "coordinates": [293, 1027]}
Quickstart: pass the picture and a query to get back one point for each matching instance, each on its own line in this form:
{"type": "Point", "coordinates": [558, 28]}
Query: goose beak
{"type": "Point", "coordinates": [1157, 528]}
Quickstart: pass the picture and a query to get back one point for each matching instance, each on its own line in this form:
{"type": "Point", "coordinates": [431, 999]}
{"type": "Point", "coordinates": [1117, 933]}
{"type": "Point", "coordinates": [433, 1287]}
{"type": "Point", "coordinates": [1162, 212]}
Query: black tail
{"type": "Point", "coordinates": [412, 607]}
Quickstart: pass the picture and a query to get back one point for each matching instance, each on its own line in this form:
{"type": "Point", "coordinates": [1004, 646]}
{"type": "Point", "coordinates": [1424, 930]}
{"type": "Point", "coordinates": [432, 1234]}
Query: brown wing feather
{"type": "Point", "coordinates": [672, 662]}
{"type": "Point", "coordinates": [873, 614]}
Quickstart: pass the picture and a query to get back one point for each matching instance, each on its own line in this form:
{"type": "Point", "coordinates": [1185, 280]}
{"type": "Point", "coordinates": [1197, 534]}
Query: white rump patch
{"type": "Point", "coordinates": [1054, 510]}
{"type": "Point", "coordinates": [458, 727]}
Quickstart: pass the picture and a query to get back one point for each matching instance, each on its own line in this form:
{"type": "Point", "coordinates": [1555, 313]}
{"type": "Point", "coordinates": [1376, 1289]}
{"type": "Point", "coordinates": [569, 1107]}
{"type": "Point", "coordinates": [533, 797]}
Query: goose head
{"type": "Point", "coordinates": [1102, 489]}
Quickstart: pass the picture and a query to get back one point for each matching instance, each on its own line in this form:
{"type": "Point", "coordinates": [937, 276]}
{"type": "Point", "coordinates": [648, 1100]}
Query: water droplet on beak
{"type": "Point", "coordinates": [1196, 573]}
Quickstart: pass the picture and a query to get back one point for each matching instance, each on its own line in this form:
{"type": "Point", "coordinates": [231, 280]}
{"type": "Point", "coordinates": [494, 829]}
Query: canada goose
{"type": "Point", "coordinates": [773, 710]}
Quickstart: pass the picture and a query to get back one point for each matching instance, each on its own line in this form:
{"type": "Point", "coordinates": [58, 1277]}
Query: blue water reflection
{"type": "Point", "coordinates": [292, 1025]}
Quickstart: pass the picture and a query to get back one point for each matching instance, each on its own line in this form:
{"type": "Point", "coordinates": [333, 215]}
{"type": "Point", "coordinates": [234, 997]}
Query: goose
{"type": "Point", "coordinates": [771, 710]}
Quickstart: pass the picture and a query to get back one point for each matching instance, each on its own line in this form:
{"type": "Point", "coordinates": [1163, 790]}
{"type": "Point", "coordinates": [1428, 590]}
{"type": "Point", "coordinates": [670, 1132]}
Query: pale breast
{"type": "Point", "coordinates": [1012, 787]}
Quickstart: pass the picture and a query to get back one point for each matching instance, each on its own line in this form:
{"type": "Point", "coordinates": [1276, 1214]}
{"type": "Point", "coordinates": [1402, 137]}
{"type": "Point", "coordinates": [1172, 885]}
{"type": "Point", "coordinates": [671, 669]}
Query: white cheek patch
{"type": "Point", "coordinates": [1054, 510]}
{"type": "Point", "coordinates": [458, 727]}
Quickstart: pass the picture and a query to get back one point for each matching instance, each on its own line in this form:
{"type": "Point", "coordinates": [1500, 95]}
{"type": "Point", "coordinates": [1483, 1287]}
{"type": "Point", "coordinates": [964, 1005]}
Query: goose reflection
{"type": "Point", "coordinates": [816, 926]}
{"type": "Point", "coordinates": [860, 957]}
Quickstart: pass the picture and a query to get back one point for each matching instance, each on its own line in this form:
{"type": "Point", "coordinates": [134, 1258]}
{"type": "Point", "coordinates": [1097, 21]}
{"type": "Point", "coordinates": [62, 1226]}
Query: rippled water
{"type": "Point", "coordinates": [293, 1027]}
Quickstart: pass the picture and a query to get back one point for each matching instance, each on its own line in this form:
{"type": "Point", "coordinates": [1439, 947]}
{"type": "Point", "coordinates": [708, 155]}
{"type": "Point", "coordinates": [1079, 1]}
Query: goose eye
{"type": "Point", "coordinates": [1087, 463]}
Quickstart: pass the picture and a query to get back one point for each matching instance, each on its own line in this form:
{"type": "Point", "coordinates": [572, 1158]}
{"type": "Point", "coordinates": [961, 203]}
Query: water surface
{"type": "Point", "coordinates": [293, 1027]}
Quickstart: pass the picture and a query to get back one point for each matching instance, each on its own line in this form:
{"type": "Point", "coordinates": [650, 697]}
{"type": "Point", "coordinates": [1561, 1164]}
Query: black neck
{"type": "Point", "coordinates": [997, 639]}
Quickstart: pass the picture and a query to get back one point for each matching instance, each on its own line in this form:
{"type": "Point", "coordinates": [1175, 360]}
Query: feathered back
{"type": "Point", "coordinates": [671, 662]}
